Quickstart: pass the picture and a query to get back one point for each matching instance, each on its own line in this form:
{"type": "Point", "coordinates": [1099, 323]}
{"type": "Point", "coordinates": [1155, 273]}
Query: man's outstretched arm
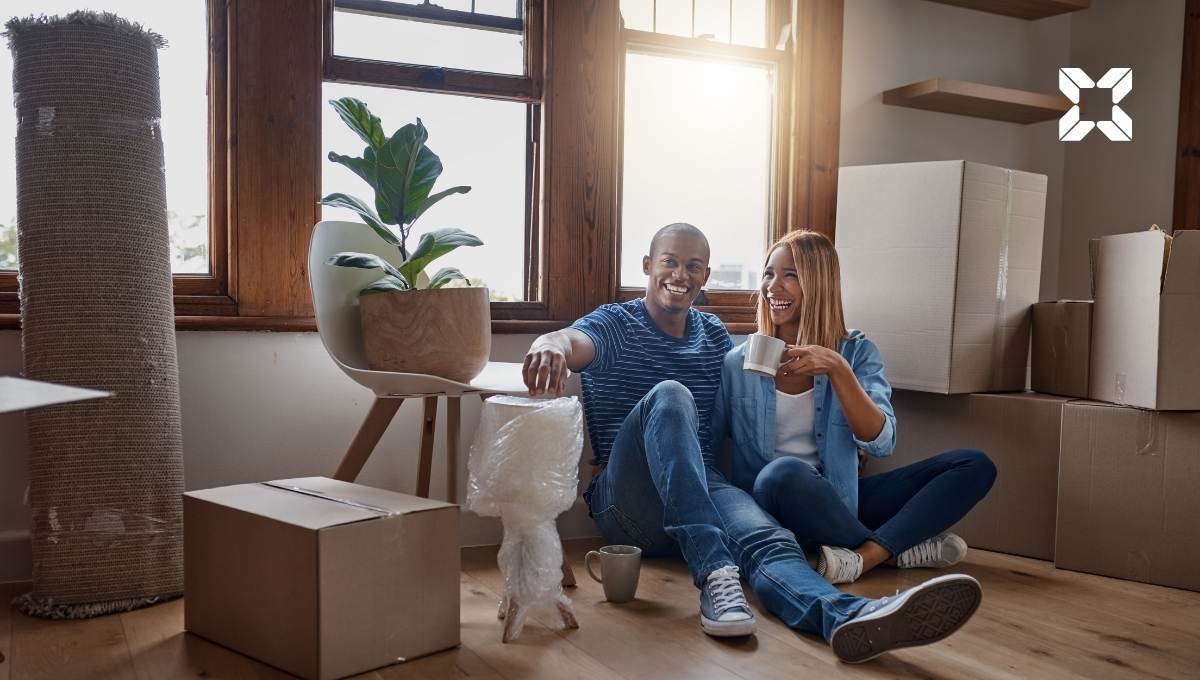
{"type": "Point", "coordinates": [546, 363]}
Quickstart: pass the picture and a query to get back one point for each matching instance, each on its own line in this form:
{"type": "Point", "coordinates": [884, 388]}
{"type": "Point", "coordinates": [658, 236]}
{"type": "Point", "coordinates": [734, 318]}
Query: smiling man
{"type": "Point", "coordinates": [651, 368]}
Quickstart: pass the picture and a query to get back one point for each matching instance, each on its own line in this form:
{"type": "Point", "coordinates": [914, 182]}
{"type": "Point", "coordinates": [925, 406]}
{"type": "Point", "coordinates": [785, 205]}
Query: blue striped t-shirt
{"type": "Point", "coordinates": [633, 355]}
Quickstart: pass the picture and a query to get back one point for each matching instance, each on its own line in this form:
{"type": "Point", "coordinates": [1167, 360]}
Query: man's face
{"type": "Point", "coordinates": [678, 269]}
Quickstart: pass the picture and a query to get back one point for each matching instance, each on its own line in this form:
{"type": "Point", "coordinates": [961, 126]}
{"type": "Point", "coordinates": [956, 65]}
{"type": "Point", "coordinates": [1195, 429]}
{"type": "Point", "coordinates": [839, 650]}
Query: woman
{"type": "Point", "coordinates": [797, 436]}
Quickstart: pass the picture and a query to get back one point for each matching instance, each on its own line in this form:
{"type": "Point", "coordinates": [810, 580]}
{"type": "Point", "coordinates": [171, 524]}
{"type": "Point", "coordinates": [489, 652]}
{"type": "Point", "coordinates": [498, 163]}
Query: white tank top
{"type": "Point", "coordinates": [794, 414]}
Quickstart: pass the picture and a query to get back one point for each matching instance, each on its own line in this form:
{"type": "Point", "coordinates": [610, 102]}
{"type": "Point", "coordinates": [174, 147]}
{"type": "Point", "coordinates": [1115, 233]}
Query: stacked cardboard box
{"type": "Point", "coordinates": [1130, 467]}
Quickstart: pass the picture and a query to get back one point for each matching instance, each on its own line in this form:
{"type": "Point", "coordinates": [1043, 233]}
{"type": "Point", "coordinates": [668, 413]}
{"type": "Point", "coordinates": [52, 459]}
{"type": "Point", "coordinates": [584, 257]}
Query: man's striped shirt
{"type": "Point", "coordinates": [633, 355]}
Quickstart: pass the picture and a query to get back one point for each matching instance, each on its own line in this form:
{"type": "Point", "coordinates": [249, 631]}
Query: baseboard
{"type": "Point", "coordinates": [16, 561]}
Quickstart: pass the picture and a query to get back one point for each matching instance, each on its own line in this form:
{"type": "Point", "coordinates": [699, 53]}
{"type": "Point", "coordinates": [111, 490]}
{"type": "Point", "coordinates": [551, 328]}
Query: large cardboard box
{"type": "Point", "coordinates": [321, 578]}
{"type": "Point", "coordinates": [1019, 432]}
{"type": "Point", "coordinates": [940, 263]}
{"type": "Point", "coordinates": [1129, 494]}
{"type": "Point", "coordinates": [1062, 336]}
{"type": "Point", "coordinates": [1146, 329]}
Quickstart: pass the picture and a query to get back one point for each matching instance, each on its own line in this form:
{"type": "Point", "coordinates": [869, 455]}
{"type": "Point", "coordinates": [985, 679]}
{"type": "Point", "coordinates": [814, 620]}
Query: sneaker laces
{"type": "Point", "coordinates": [725, 588]}
{"type": "Point", "coordinates": [925, 552]}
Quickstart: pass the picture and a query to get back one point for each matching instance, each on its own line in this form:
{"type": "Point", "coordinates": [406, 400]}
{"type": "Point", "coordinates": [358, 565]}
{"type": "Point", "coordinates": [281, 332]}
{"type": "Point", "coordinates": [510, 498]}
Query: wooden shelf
{"type": "Point", "coordinates": [1022, 9]}
{"type": "Point", "coordinates": [980, 101]}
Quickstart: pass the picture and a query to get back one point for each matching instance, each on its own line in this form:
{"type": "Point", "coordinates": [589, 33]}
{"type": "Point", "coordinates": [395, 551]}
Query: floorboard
{"type": "Point", "coordinates": [1035, 622]}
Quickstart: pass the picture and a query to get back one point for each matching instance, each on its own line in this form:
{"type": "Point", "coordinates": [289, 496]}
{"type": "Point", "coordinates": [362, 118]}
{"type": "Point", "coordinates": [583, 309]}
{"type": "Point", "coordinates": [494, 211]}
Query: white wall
{"type": "Point", "coordinates": [259, 406]}
{"type": "Point", "coordinates": [1115, 187]}
{"type": "Point", "coordinates": [890, 43]}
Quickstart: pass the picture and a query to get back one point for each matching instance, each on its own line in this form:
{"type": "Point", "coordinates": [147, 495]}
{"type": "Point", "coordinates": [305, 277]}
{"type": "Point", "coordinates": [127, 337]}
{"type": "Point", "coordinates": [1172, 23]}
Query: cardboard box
{"type": "Point", "coordinates": [940, 263]}
{"type": "Point", "coordinates": [1062, 336]}
{"type": "Point", "coordinates": [1128, 503]}
{"type": "Point", "coordinates": [321, 578]}
{"type": "Point", "coordinates": [1019, 432]}
{"type": "Point", "coordinates": [1146, 330]}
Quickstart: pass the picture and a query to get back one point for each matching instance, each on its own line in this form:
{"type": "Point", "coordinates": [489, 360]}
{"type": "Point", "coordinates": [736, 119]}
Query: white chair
{"type": "Point", "coordinates": [335, 302]}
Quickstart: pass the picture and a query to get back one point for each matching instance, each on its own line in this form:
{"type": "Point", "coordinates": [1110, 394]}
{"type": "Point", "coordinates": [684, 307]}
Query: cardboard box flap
{"type": "Point", "coordinates": [1182, 275]}
{"type": "Point", "coordinates": [382, 501]}
{"type": "Point", "coordinates": [285, 506]}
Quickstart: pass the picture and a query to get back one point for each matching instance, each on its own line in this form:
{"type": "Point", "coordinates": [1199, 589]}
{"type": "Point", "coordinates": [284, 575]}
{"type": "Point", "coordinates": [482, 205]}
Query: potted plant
{"type": "Point", "coordinates": [411, 322]}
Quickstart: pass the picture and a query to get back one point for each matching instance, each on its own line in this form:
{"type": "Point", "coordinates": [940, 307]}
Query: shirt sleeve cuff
{"type": "Point", "coordinates": [881, 445]}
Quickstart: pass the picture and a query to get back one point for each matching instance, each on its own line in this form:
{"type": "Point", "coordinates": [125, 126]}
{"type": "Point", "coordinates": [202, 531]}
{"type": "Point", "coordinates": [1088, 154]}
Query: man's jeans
{"type": "Point", "coordinates": [657, 493]}
{"type": "Point", "coordinates": [652, 492]}
{"type": "Point", "coordinates": [896, 509]}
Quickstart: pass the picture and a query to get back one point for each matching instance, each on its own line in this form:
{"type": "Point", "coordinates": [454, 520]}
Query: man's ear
{"type": "Point", "coordinates": [646, 265]}
{"type": "Point", "coordinates": [707, 273]}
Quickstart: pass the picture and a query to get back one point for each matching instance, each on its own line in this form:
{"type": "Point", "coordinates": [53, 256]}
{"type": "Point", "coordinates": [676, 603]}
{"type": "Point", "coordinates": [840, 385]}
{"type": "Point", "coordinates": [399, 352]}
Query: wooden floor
{"type": "Point", "coordinates": [1035, 622]}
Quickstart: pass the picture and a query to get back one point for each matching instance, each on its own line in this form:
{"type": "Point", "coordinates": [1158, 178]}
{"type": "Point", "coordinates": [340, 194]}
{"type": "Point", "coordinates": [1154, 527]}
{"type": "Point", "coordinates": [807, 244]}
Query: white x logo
{"type": "Point", "coordinates": [1071, 81]}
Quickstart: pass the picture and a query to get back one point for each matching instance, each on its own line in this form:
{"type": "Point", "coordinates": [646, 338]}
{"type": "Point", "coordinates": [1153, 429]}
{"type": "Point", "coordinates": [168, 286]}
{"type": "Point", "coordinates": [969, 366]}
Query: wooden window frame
{"type": "Point", "coordinates": [195, 294]}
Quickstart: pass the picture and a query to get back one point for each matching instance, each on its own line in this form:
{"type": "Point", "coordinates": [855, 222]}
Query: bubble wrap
{"type": "Point", "coordinates": [524, 468]}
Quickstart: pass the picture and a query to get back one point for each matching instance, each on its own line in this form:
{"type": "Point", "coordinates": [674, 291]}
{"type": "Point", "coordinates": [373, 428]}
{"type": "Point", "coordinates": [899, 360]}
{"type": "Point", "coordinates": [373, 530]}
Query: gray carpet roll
{"type": "Point", "coordinates": [96, 311]}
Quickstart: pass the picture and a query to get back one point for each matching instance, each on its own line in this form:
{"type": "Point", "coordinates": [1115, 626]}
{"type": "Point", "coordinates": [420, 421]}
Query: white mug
{"type": "Point", "coordinates": [763, 354]}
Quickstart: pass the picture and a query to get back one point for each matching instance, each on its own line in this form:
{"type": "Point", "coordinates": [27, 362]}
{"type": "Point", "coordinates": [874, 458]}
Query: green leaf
{"type": "Point", "coordinates": [385, 285]}
{"type": "Point", "coordinates": [434, 244]}
{"type": "Point", "coordinates": [445, 275]}
{"type": "Point", "coordinates": [364, 211]}
{"type": "Point", "coordinates": [408, 170]}
{"type": "Point", "coordinates": [359, 118]}
{"type": "Point", "coordinates": [366, 261]}
{"type": "Point", "coordinates": [428, 202]}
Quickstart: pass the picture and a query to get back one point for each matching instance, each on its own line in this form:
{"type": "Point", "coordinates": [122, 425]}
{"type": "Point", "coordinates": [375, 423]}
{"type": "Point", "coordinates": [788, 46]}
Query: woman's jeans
{"type": "Point", "coordinates": [657, 493]}
{"type": "Point", "coordinates": [896, 509]}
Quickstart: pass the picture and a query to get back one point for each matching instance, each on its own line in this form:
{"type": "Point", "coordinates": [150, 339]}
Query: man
{"type": "Point", "coordinates": [650, 371]}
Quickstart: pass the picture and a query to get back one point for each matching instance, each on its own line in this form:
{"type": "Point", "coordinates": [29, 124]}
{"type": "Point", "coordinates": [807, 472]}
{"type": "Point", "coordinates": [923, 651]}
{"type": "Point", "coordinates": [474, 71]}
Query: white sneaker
{"type": "Point", "coordinates": [943, 550]}
{"type": "Point", "coordinates": [920, 615]}
{"type": "Point", "coordinates": [839, 565]}
{"type": "Point", "coordinates": [724, 611]}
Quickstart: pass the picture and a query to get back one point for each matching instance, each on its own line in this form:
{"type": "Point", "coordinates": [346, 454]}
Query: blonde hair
{"type": "Point", "coordinates": [821, 319]}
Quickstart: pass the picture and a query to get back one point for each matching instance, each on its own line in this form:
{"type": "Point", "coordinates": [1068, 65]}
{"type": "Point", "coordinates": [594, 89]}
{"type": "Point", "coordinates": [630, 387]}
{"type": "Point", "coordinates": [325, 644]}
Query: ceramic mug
{"type": "Point", "coordinates": [619, 567]}
{"type": "Point", "coordinates": [763, 354]}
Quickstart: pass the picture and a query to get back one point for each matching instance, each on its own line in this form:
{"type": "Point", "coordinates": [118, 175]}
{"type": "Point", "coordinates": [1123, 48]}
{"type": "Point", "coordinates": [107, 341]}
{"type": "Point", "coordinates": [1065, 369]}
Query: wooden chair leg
{"type": "Point", "coordinates": [369, 433]}
{"type": "Point", "coordinates": [428, 430]}
{"type": "Point", "coordinates": [453, 419]}
{"type": "Point", "coordinates": [568, 574]}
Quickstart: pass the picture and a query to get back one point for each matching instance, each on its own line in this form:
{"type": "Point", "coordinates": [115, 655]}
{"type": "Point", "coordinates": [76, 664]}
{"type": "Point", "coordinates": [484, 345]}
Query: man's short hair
{"type": "Point", "coordinates": [678, 228]}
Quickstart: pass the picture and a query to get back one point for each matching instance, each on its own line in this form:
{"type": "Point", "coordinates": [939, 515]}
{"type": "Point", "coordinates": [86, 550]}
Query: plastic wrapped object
{"type": "Point", "coordinates": [524, 468]}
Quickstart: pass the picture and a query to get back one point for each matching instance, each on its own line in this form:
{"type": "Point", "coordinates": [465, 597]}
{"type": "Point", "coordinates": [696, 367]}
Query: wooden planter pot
{"type": "Point", "coordinates": [445, 332]}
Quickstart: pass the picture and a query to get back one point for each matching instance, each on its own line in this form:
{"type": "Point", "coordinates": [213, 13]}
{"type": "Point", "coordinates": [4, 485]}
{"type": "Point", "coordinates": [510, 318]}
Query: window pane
{"type": "Point", "coordinates": [638, 14]}
{"type": "Point", "coordinates": [712, 20]}
{"type": "Point", "coordinates": [673, 17]}
{"type": "Point", "coordinates": [750, 23]}
{"type": "Point", "coordinates": [183, 68]}
{"type": "Point", "coordinates": [406, 41]}
{"type": "Point", "coordinates": [500, 8]}
{"type": "Point", "coordinates": [482, 144]}
{"type": "Point", "coordinates": [698, 149]}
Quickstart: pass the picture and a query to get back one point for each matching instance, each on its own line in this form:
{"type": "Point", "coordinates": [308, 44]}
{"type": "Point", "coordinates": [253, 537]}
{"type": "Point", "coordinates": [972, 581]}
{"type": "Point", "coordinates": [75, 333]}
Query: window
{"type": "Point", "coordinates": [700, 134]}
{"type": "Point", "coordinates": [183, 67]}
{"type": "Point", "coordinates": [440, 55]}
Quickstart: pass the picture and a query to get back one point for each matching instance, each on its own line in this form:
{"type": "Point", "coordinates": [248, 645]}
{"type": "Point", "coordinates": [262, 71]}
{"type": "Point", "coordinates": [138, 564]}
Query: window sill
{"type": "Point", "coordinates": [304, 324]}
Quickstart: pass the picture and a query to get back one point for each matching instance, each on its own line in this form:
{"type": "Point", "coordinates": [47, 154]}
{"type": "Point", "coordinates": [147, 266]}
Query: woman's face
{"type": "Point", "coordinates": [781, 287]}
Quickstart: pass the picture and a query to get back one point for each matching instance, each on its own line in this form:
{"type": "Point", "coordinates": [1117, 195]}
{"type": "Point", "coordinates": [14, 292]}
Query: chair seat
{"type": "Point", "coordinates": [498, 377]}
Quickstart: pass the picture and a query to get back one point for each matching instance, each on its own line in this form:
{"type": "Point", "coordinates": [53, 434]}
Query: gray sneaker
{"type": "Point", "coordinates": [724, 611]}
{"type": "Point", "coordinates": [839, 565]}
{"type": "Point", "coordinates": [943, 550]}
{"type": "Point", "coordinates": [920, 615]}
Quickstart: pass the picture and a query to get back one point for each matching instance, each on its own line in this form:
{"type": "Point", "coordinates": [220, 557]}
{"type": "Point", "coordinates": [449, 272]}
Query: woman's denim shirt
{"type": "Point", "coordinates": [745, 411]}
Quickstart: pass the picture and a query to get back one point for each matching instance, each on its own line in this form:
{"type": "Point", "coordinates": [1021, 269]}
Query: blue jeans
{"type": "Point", "coordinates": [774, 564]}
{"type": "Point", "coordinates": [652, 492]}
{"type": "Point", "coordinates": [896, 509]}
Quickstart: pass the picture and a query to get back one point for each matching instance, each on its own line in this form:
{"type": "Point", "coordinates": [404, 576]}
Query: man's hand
{"type": "Point", "coordinates": [812, 360]}
{"type": "Point", "coordinates": [545, 370]}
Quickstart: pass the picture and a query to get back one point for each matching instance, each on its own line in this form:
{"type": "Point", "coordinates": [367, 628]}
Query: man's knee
{"type": "Point", "coordinates": [673, 397]}
{"type": "Point", "coordinates": [785, 476]}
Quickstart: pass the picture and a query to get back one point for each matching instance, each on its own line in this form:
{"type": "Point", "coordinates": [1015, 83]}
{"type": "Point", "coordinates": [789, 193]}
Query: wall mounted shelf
{"type": "Point", "coordinates": [978, 100]}
{"type": "Point", "coordinates": [1022, 9]}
